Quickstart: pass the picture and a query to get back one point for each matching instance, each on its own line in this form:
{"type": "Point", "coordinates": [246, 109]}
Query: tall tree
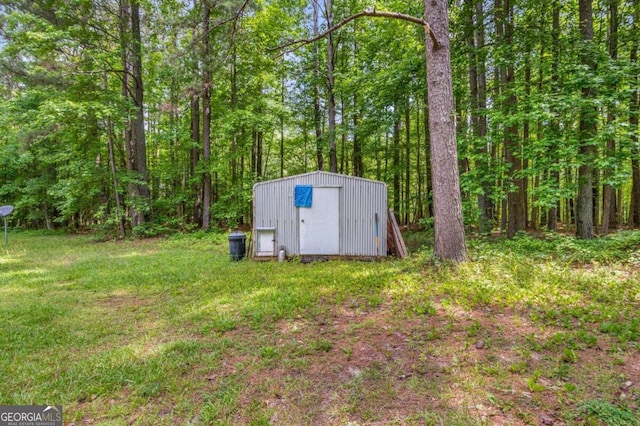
{"type": "Point", "coordinates": [206, 115]}
{"type": "Point", "coordinates": [331, 101]}
{"type": "Point", "coordinates": [516, 212]}
{"type": "Point", "coordinates": [588, 125]}
{"type": "Point", "coordinates": [133, 91]}
{"type": "Point", "coordinates": [317, 112]}
{"type": "Point", "coordinates": [554, 168]}
{"type": "Point", "coordinates": [447, 202]}
{"type": "Point", "coordinates": [609, 199]}
{"type": "Point", "coordinates": [397, 194]}
{"type": "Point", "coordinates": [478, 100]}
{"type": "Point", "coordinates": [634, 115]}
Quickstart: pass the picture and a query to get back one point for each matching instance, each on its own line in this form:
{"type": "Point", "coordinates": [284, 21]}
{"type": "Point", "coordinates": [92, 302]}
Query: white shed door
{"type": "Point", "coordinates": [320, 223]}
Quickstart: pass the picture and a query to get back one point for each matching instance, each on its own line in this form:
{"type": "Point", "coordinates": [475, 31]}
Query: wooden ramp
{"type": "Point", "coordinates": [395, 242]}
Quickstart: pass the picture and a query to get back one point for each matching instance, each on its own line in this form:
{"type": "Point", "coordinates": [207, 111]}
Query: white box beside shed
{"type": "Point", "coordinates": [320, 214]}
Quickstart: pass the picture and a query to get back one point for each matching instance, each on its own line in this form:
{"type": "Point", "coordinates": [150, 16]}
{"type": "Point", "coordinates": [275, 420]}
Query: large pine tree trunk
{"type": "Point", "coordinates": [588, 117]}
{"type": "Point", "coordinates": [449, 224]}
{"type": "Point", "coordinates": [137, 125]}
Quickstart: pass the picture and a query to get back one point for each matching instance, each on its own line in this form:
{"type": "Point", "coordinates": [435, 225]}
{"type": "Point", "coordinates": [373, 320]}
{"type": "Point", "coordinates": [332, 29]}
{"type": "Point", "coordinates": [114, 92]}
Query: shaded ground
{"type": "Point", "coordinates": [448, 367]}
{"type": "Point", "coordinates": [360, 363]}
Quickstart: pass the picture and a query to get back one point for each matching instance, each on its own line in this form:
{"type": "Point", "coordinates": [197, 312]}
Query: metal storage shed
{"type": "Point", "coordinates": [320, 214]}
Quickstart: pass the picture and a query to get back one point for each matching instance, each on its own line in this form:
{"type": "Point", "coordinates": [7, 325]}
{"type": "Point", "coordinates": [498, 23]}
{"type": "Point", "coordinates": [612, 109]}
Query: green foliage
{"type": "Point", "coordinates": [62, 101]}
{"type": "Point", "coordinates": [620, 246]}
{"type": "Point", "coordinates": [533, 385]}
{"type": "Point", "coordinates": [625, 332]}
{"type": "Point", "coordinates": [607, 413]}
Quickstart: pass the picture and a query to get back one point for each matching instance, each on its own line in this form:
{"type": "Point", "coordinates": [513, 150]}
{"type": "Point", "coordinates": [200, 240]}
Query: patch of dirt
{"type": "Point", "coordinates": [122, 299]}
{"type": "Point", "coordinates": [378, 365]}
{"type": "Point", "coordinates": [380, 368]}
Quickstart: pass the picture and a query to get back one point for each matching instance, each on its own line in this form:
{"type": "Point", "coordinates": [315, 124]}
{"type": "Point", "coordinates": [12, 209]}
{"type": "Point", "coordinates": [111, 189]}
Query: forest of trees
{"type": "Point", "coordinates": [143, 115]}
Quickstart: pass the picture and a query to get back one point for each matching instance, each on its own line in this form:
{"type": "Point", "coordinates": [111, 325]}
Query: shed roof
{"type": "Point", "coordinates": [318, 173]}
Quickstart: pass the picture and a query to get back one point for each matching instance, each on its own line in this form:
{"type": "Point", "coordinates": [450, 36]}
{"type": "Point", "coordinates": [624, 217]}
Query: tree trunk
{"type": "Point", "coordinates": [282, 88]}
{"type": "Point", "coordinates": [331, 101]}
{"type": "Point", "coordinates": [195, 155]}
{"type": "Point", "coordinates": [634, 211]}
{"type": "Point", "coordinates": [526, 134]}
{"type": "Point", "coordinates": [396, 163]}
{"type": "Point", "coordinates": [305, 140]}
{"type": "Point", "coordinates": [588, 118]}
{"type": "Point", "coordinates": [554, 174]}
{"type": "Point", "coordinates": [123, 26]}
{"type": "Point", "coordinates": [535, 210]}
{"type": "Point", "coordinates": [407, 163]}
{"type": "Point", "coordinates": [344, 161]}
{"type": "Point", "coordinates": [259, 144]}
{"type": "Point", "coordinates": [113, 168]}
{"type": "Point", "coordinates": [419, 211]}
{"type": "Point", "coordinates": [206, 118]}
{"type": "Point", "coordinates": [316, 91]}
{"type": "Point", "coordinates": [114, 175]}
{"type": "Point", "coordinates": [449, 224]}
{"type": "Point", "coordinates": [357, 158]}
{"type": "Point", "coordinates": [125, 21]}
{"type": "Point", "coordinates": [196, 188]}
{"type": "Point", "coordinates": [634, 114]}
{"type": "Point", "coordinates": [487, 204]}
{"type": "Point", "coordinates": [498, 93]}
{"type": "Point", "coordinates": [516, 213]}
{"type": "Point", "coordinates": [428, 187]}
{"type": "Point", "coordinates": [137, 125]}
{"type": "Point", "coordinates": [358, 164]}
{"type": "Point", "coordinates": [537, 215]}
{"type": "Point", "coordinates": [608, 198]}
{"type": "Point", "coordinates": [478, 93]}
{"type": "Point", "coordinates": [234, 105]}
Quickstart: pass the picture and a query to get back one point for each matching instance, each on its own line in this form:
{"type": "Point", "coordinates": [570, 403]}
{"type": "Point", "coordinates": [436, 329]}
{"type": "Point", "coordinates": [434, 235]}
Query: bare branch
{"type": "Point", "coordinates": [214, 27]}
{"type": "Point", "coordinates": [366, 13]}
{"type": "Point", "coordinates": [221, 23]}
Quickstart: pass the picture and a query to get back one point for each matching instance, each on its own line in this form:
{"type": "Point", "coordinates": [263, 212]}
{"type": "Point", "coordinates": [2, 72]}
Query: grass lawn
{"type": "Point", "coordinates": [169, 331]}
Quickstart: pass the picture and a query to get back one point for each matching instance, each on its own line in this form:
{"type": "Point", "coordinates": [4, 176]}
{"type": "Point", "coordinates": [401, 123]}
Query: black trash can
{"type": "Point", "coordinates": [237, 245]}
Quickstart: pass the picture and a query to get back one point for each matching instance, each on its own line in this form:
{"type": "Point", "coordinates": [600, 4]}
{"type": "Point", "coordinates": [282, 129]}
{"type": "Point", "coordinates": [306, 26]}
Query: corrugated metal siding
{"type": "Point", "coordinates": [360, 200]}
